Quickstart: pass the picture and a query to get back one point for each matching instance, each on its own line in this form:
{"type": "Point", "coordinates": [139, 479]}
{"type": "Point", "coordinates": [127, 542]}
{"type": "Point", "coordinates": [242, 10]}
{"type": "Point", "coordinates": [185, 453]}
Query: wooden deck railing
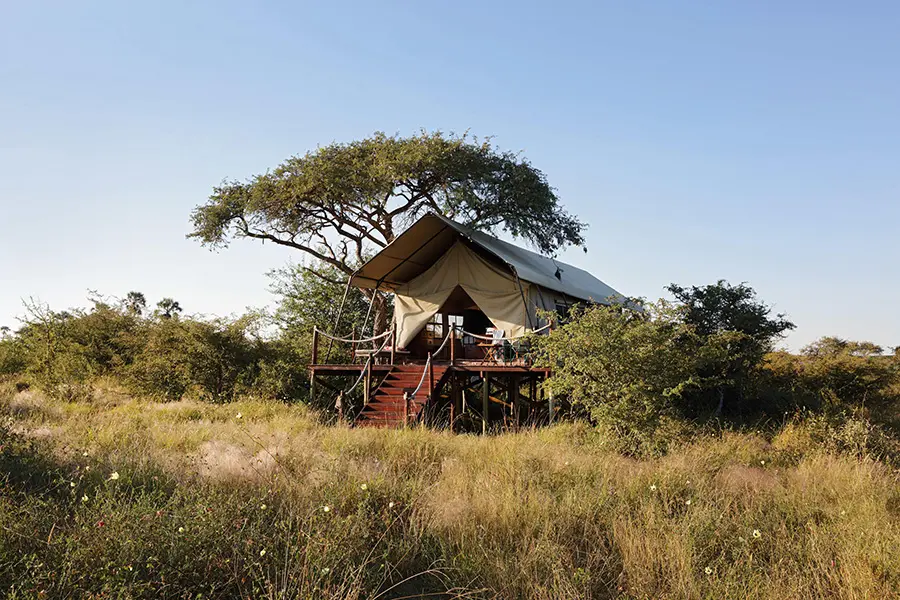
{"type": "Point", "coordinates": [493, 345]}
{"type": "Point", "coordinates": [387, 336]}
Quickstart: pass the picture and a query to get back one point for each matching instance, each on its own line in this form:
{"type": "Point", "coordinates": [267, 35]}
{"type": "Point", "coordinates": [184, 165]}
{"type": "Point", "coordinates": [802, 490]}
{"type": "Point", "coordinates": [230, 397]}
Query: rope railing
{"type": "Point", "coordinates": [503, 339]}
{"type": "Point", "coordinates": [365, 368]}
{"type": "Point", "coordinates": [444, 343]}
{"type": "Point", "coordinates": [339, 401]}
{"type": "Point", "coordinates": [422, 380]}
{"type": "Point", "coordinates": [351, 340]}
{"type": "Point", "coordinates": [428, 362]}
{"type": "Point", "coordinates": [446, 338]}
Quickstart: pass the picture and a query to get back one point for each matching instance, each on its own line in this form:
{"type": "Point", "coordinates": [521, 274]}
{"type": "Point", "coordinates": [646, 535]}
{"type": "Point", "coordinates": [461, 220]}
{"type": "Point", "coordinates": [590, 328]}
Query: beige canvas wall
{"type": "Point", "coordinates": [495, 291]}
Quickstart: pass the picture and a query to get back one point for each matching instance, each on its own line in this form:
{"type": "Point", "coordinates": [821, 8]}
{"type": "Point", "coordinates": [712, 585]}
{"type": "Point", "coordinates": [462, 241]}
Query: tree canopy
{"type": "Point", "coordinates": [722, 307]}
{"type": "Point", "coordinates": [737, 330]}
{"type": "Point", "coordinates": [340, 202]}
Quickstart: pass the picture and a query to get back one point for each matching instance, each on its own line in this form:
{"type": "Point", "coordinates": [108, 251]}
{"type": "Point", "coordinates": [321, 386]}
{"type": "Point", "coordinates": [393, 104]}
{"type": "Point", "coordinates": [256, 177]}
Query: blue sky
{"type": "Point", "coordinates": [750, 141]}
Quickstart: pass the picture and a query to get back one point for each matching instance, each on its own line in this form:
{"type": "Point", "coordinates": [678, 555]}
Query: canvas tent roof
{"type": "Point", "coordinates": [426, 240]}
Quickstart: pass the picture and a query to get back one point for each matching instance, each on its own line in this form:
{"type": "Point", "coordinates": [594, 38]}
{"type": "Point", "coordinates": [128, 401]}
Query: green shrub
{"type": "Point", "coordinates": [831, 376]}
{"type": "Point", "coordinates": [160, 368]}
{"type": "Point", "coordinates": [627, 368]}
{"type": "Point", "coordinates": [12, 356]}
{"type": "Point", "coordinates": [55, 357]}
{"type": "Point", "coordinates": [216, 359]}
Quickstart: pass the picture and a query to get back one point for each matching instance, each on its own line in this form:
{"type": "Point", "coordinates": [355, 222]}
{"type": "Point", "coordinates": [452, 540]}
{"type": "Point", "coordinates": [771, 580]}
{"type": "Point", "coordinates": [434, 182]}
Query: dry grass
{"type": "Point", "coordinates": [545, 514]}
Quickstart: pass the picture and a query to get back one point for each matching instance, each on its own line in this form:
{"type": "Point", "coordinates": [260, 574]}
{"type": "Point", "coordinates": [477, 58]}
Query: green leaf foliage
{"type": "Point", "coordinates": [341, 201]}
{"type": "Point", "coordinates": [736, 330]}
{"type": "Point", "coordinates": [628, 368]}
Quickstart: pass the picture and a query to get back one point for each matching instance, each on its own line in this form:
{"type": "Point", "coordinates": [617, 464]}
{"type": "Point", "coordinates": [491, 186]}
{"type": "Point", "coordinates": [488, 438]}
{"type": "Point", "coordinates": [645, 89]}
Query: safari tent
{"type": "Point", "coordinates": [438, 264]}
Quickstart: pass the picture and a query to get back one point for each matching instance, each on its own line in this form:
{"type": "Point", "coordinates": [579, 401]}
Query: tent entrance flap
{"type": "Point", "coordinates": [494, 291]}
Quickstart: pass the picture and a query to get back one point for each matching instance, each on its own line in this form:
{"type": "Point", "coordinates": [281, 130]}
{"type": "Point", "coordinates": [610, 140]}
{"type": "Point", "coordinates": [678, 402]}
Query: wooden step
{"type": "Point", "coordinates": [397, 409]}
{"type": "Point", "coordinates": [389, 407]}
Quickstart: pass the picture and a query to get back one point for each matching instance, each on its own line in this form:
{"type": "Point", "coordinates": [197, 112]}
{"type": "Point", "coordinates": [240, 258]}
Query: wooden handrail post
{"type": "Point", "coordinates": [430, 376]}
{"type": "Point", "coordinates": [452, 344]}
{"type": "Point", "coordinates": [393, 342]}
{"type": "Point", "coordinates": [315, 348]}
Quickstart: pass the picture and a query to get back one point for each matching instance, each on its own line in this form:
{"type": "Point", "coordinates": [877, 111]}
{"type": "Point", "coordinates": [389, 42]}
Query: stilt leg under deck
{"type": "Point", "coordinates": [383, 387]}
{"type": "Point", "coordinates": [485, 401]}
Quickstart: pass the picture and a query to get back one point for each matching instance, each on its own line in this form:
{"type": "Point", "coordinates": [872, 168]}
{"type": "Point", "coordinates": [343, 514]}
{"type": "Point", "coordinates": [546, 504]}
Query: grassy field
{"type": "Point", "coordinates": [120, 498]}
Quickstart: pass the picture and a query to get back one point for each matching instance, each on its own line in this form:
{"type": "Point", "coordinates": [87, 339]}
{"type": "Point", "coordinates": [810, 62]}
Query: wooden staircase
{"type": "Point", "coordinates": [386, 408]}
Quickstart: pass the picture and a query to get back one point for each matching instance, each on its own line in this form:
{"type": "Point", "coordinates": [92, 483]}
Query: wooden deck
{"type": "Point", "coordinates": [399, 394]}
{"type": "Point", "coordinates": [399, 387]}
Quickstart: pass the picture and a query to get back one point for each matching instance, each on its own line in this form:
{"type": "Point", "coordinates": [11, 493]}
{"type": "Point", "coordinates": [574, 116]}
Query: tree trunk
{"type": "Point", "coordinates": [381, 319]}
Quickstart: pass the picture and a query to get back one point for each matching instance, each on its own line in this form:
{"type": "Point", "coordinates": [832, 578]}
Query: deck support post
{"type": "Point", "coordinates": [485, 401]}
{"type": "Point", "coordinates": [514, 399]}
{"type": "Point", "coordinates": [532, 395]}
{"type": "Point", "coordinates": [550, 406]}
{"type": "Point", "coordinates": [315, 350]}
{"type": "Point", "coordinates": [453, 393]}
{"type": "Point", "coordinates": [367, 381]}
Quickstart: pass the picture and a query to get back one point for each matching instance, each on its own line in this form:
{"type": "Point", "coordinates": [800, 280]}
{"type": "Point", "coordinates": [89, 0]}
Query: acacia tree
{"type": "Point", "coordinates": [341, 202]}
{"type": "Point", "coordinates": [738, 330]}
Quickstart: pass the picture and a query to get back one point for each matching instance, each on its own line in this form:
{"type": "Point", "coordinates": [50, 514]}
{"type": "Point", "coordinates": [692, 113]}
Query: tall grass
{"type": "Point", "coordinates": [229, 501]}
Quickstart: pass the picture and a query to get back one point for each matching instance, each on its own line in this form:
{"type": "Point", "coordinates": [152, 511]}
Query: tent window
{"type": "Point", "coordinates": [434, 330]}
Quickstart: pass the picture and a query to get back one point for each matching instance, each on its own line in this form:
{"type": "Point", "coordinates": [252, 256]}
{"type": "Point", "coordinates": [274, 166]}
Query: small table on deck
{"type": "Point", "coordinates": [492, 351]}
